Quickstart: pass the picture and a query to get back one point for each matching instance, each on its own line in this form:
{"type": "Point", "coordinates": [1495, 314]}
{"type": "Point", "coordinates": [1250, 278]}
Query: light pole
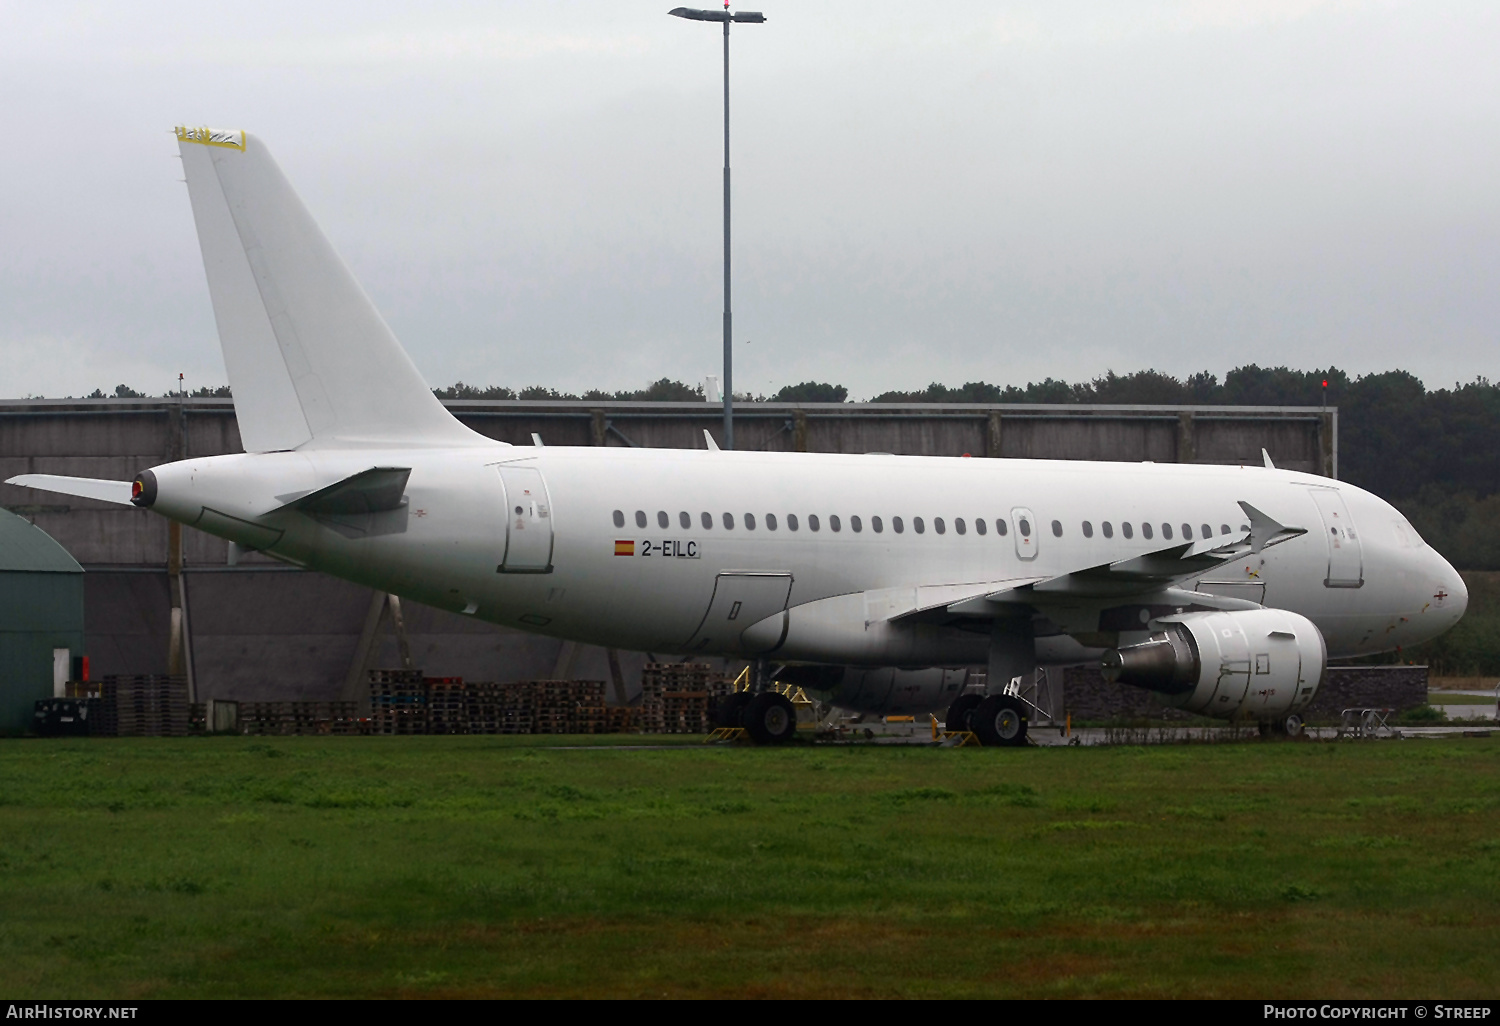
{"type": "Point", "coordinates": [754, 18]}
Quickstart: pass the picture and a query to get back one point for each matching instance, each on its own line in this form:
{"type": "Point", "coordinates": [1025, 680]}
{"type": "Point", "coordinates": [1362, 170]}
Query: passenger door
{"type": "Point", "coordinates": [1345, 560]}
{"type": "Point", "coordinates": [528, 522]}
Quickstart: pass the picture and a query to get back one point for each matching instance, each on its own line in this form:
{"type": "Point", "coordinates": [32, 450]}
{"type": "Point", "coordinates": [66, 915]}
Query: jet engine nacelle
{"type": "Point", "coordinates": [881, 691]}
{"type": "Point", "coordinates": [1260, 664]}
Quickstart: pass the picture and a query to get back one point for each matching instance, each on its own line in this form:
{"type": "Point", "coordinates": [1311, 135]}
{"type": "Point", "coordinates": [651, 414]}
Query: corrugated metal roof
{"type": "Point", "coordinates": [26, 548]}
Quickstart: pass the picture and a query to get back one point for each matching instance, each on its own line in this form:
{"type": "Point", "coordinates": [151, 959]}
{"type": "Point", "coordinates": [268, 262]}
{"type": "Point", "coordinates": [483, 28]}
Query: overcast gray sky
{"type": "Point", "coordinates": [997, 191]}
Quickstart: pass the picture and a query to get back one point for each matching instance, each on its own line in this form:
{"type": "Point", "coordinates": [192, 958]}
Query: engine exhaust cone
{"type": "Point", "coordinates": [1168, 663]}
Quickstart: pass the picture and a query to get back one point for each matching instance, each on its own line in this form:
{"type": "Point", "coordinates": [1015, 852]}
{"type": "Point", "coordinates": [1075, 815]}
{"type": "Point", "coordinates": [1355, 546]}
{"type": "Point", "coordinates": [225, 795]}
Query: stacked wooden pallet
{"type": "Point", "coordinates": [561, 706]}
{"type": "Point", "coordinates": [398, 702]}
{"type": "Point", "coordinates": [497, 709]}
{"type": "Point", "coordinates": [678, 698]}
{"type": "Point", "coordinates": [147, 705]}
{"type": "Point", "coordinates": [448, 706]}
{"type": "Point", "coordinates": [292, 719]}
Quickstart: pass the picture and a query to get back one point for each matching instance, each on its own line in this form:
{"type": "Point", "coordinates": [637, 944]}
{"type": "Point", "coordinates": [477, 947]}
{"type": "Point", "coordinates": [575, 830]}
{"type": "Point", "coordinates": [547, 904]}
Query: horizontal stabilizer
{"type": "Point", "coordinates": [83, 487]}
{"type": "Point", "coordinates": [370, 491]}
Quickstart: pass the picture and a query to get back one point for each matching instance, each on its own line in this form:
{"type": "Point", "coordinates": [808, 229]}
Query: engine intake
{"type": "Point", "coordinates": [1253, 664]}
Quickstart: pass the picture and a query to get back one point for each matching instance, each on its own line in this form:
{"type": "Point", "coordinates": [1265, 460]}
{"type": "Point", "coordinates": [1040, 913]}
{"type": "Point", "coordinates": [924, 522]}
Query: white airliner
{"type": "Point", "coordinates": [872, 578]}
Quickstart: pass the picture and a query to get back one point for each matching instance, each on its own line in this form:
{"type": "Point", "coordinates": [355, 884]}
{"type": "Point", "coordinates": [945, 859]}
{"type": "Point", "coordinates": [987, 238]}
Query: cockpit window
{"type": "Point", "coordinates": [1406, 535]}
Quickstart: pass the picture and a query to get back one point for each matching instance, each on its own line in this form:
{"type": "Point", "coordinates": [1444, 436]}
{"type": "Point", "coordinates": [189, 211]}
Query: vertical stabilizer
{"type": "Point", "coordinates": [311, 362]}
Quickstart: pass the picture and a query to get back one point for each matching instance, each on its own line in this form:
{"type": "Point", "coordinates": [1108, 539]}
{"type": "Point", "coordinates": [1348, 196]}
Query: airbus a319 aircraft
{"type": "Point", "coordinates": [873, 579]}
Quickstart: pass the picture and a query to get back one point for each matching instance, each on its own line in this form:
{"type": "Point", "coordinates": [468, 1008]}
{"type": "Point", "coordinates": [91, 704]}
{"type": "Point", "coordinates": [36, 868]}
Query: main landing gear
{"type": "Point", "coordinates": [1000, 720]}
{"type": "Point", "coordinates": [768, 717]}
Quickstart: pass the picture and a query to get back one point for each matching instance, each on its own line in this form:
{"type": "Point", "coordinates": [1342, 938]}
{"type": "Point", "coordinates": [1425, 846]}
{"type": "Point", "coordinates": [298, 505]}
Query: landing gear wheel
{"type": "Point", "coordinates": [770, 718]}
{"type": "Point", "coordinates": [962, 708]}
{"type": "Point", "coordinates": [731, 709]}
{"type": "Point", "coordinates": [1291, 726]}
{"type": "Point", "coordinates": [1000, 720]}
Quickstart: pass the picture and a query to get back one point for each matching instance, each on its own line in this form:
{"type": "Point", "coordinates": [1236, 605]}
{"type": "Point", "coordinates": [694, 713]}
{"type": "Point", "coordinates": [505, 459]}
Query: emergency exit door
{"type": "Point", "coordinates": [528, 522]}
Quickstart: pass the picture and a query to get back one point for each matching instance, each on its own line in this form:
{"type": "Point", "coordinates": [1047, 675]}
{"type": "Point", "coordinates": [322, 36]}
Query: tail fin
{"type": "Point", "coordinates": [311, 362]}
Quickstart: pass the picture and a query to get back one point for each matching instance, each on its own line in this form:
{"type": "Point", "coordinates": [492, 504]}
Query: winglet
{"type": "Point", "coordinates": [710, 440]}
{"type": "Point", "coordinates": [1265, 531]}
{"type": "Point", "coordinates": [1267, 457]}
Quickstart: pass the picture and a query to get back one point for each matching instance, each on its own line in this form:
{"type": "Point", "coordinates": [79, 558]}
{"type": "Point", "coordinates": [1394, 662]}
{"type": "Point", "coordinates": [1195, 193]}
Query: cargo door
{"type": "Point", "coordinates": [740, 600]}
{"type": "Point", "coordinates": [1345, 560]}
{"type": "Point", "coordinates": [1023, 528]}
{"type": "Point", "coordinates": [528, 522]}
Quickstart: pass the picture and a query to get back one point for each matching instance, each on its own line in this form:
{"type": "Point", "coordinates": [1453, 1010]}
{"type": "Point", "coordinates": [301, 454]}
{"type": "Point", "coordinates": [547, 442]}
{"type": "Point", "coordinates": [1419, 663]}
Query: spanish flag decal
{"type": "Point", "coordinates": [624, 548]}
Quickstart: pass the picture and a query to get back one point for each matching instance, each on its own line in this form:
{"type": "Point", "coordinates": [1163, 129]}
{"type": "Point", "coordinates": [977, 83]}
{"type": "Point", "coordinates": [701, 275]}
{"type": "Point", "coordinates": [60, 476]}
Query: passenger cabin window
{"type": "Point", "coordinates": [834, 524]}
{"type": "Point", "coordinates": [1145, 530]}
{"type": "Point", "coordinates": [640, 518]}
{"type": "Point", "coordinates": [685, 519]}
{"type": "Point", "coordinates": [791, 521]}
{"type": "Point", "coordinates": [708, 521]}
{"type": "Point", "coordinates": [1057, 528]}
{"type": "Point", "coordinates": [729, 521]}
{"type": "Point", "coordinates": [1002, 528]}
{"type": "Point", "coordinates": [619, 518]}
{"type": "Point", "coordinates": [1108, 528]}
{"type": "Point", "coordinates": [959, 525]}
{"type": "Point", "coordinates": [1126, 529]}
{"type": "Point", "coordinates": [877, 524]}
{"type": "Point", "coordinates": [662, 520]}
{"type": "Point", "coordinates": [939, 526]}
{"type": "Point", "coordinates": [1166, 531]}
{"type": "Point", "coordinates": [749, 521]}
{"type": "Point", "coordinates": [1223, 528]}
{"type": "Point", "coordinates": [812, 522]}
{"type": "Point", "coordinates": [1208, 532]}
{"type": "Point", "coordinates": [897, 525]}
{"type": "Point", "coordinates": [1187, 532]}
{"type": "Point", "coordinates": [1088, 529]}
{"type": "Point", "coordinates": [918, 526]}
{"type": "Point", "coordinates": [979, 525]}
{"type": "Point", "coordinates": [1024, 526]}
{"type": "Point", "coordinates": [770, 521]}
{"type": "Point", "coordinates": [855, 524]}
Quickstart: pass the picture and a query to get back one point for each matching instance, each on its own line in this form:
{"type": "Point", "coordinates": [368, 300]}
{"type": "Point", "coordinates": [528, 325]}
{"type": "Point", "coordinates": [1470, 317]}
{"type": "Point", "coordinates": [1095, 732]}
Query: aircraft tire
{"type": "Point", "coordinates": [731, 709]}
{"type": "Point", "coordinates": [960, 711]}
{"type": "Point", "coordinates": [1000, 720]}
{"type": "Point", "coordinates": [770, 719]}
{"type": "Point", "coordinates": [1292, 726]}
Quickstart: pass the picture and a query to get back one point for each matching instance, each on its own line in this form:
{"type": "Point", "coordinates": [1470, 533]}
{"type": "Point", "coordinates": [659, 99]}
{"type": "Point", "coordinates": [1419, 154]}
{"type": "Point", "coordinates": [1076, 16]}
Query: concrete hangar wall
{"type": "Point", "coordinates": [258, 630]}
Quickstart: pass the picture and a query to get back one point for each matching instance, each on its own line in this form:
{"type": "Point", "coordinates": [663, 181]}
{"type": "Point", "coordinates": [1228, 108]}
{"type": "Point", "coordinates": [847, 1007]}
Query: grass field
{"type": "Point", "coordinates": [484, 866]}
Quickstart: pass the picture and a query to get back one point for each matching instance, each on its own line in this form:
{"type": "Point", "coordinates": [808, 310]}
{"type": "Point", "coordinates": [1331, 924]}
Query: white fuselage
{"type": "Point", "coordinates": [459, 543]}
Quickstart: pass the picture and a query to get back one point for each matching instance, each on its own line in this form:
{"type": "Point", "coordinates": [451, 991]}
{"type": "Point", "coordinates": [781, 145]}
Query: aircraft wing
{"type": "Point", "coordinates": [1151, 576]}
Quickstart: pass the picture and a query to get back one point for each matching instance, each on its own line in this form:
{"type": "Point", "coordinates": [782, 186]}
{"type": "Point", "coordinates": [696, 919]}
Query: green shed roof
{"type": "Point", "coordinates": [26, 548]}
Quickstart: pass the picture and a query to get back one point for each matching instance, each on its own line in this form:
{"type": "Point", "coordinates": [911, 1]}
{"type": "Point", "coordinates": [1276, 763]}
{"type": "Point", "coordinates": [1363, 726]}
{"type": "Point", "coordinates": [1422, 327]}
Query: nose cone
{"type": "Point", "coordinates": [1450, 595]}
